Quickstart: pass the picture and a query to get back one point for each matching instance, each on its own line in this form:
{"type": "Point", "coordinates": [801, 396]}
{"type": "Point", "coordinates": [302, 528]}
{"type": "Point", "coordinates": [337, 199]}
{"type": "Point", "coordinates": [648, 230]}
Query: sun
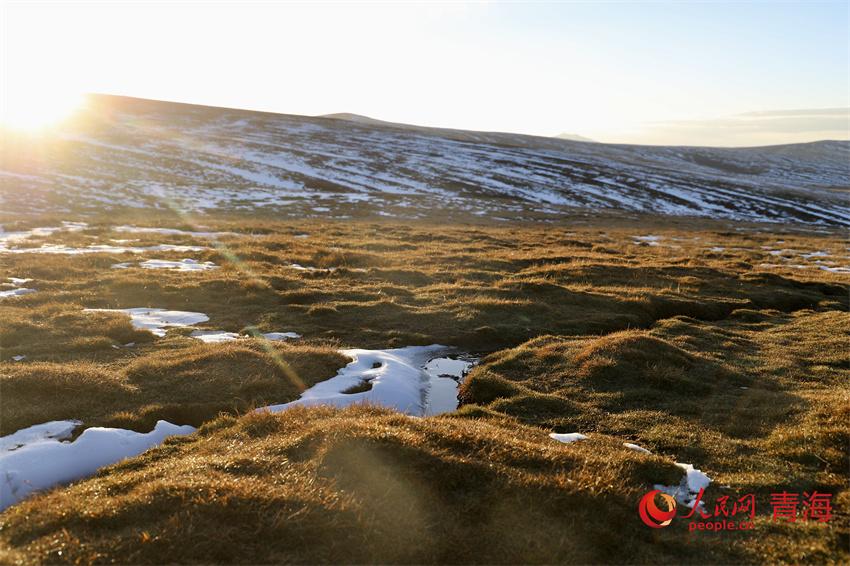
{"type": "Point", "coordinates": [36, 112]}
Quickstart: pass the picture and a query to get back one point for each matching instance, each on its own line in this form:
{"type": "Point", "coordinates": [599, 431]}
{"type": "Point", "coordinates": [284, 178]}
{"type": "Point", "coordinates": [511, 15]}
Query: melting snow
{"type": "Point", "coordinates": [650, 240]}
{"type": "Point", "coordinates": [43, 460]}
{"type": "Point", "coordinates": [688, 489]}
{"type": "Point", "coordinates": [15, 292]}
{"type": "Point", "coordinates": [396, 379]}
{"type": "Point", "coordinates": [157, 320]}
{"type": "Point", "coordinates": [59, 430]}
{"type": "Point", "coordinates": [281, 335]}
{"type": "Point", "coordinates": [99, 248]}
{"type": "Point", "coordinates": [567, 437]}
{"type": "Point", "coordinates": [182, 265]}
{"type": "Point", "coordinates": [172, 231]}
{"type": "Point", "coordinates": [636, 448]}
{"type": "Point", "coordinates": [214, 336]}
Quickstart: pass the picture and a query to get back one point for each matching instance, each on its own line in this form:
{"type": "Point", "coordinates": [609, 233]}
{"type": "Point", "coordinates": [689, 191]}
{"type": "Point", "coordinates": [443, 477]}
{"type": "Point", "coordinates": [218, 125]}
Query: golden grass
{"type": "Point", "coordinates": [701, 356]}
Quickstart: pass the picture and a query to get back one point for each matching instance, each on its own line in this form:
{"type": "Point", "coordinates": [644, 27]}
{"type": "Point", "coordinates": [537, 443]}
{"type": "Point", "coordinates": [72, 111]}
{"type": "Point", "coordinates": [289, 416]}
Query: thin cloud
{"type": "Point", "coordinates": [754, 128]}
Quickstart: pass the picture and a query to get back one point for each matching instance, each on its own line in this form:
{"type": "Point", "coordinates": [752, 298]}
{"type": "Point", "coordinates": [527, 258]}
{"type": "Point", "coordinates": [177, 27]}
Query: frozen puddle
{"type": "Point", "coordinates": [414, 380]}
{"type": "Point", "coordinates": [38, 459]}
{"type": "Point", "coordinates": [157, 320]}
{"type": "Point", "coordinates": [181, 265]}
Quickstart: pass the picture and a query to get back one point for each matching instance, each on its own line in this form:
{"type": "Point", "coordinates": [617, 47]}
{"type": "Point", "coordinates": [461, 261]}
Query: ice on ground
{"type": "Point", "coordinates": [445, 375]}
{"type": "Point", "coordinates": [396, 378]}
{"type": "Point", "coordinates": [688, 489]}
{"type": "Point", "coordinates": [636, 448]}
{"type": "Point", "coordinates": [44, 462]}
{"type": "Point", "coordinates": [16, 292]}
{"type": "Point", "coordinates": [651, 240]}
{"type": "Point", "coordinates": [157, 320]}
{"type": "Point", "coordinates": [172, 231]}
{"type": "Point", "coordinates": [182, 265]}
{"type": "Point", "coordinates": [99, 248]}
{"type": "Point", "coordinates": [214, 336]}
{"type": "Point", "coordinates": [59, 430]}
{"type": "Point", "coordinates": [281, 335]}
{"type": "Point", "coordinates": [567, 437]}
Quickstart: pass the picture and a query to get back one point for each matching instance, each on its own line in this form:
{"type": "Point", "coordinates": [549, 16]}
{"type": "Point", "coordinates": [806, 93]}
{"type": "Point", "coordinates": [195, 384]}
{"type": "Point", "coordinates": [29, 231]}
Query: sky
{"type": "Point", "coordinates": [695, 73]}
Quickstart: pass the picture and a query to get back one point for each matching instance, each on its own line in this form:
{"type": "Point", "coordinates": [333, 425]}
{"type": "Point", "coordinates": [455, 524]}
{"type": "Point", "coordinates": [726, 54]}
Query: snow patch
{"type": "Point", "coordinates": [567, 437]}
{"type": "Point", "coordinates": [17, 292]}
{"type": "Point", "coordinates": [686, 492]}
{"type": "Point", "coordinates": [157, 320]}
{"type": "Point", "coordinates": [396, 379]}
{"type": "Point", "coordinates": [44, 461]}
{"type": "Point", "coordinates": [281, 335]}
{"type": "Point", "coordinates": [214, 336]}
{"type": "Point", "coordinates": [636, 448]}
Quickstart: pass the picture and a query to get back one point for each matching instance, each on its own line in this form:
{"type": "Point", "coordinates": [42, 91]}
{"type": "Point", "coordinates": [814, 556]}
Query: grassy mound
{"type": "Point", "coordinates": [355, 486]}
{"type": "Point", "coordinates": [757, 401]}
{"type": "Point", "coordinates": [189, 384]}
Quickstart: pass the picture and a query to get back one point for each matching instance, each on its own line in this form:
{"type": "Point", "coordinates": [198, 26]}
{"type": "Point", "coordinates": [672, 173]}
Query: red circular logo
{"type": "Point", "coordinates": [651, 513]}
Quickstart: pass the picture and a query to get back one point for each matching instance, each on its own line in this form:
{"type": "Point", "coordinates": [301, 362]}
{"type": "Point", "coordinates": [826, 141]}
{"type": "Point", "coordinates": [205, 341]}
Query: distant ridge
{"type": "Point", "coordinates": [574, 137]}
{"type": "Point", "coordinates": [126, 153]}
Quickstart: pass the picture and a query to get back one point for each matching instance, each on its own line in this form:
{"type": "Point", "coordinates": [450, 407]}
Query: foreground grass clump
{"type": "Point", "coordinates": [758, 401]}
{"type": "Point", "coordinates": [190, 383]}
{"type": "Point", "coordinates": [360, 485]}
{"type": "Point", "coordinates": [717, 344]}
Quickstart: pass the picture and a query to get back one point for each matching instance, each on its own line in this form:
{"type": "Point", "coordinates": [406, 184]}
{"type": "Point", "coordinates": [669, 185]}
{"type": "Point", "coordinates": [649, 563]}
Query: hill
{"type": "Point", "coordinates": [124, 153]}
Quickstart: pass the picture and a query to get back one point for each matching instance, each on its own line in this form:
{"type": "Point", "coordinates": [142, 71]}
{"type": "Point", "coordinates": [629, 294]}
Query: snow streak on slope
{"type": "Point", "coordinates": [132, 153]}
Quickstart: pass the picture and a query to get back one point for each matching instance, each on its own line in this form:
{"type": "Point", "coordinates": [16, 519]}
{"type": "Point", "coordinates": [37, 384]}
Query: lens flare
{"type": "Point", "coordinates": [37, 111]}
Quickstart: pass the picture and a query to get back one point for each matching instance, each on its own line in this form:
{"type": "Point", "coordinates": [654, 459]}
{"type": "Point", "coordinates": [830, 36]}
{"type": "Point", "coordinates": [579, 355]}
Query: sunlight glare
{"type": "Point", "coordinates": [37, 111]}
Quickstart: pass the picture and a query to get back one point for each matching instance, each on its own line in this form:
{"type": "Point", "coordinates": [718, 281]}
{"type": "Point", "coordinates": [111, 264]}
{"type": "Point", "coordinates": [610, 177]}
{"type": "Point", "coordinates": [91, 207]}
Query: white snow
{"type": "Point", "coordinates": [16, 292]}
{"type": "Point", "coordinates": [99, 248]}
{"type": "Point", "coordinates": [44, 461]}
{"type": "Point", "coordinates": [567, 437]}
{"type": "Point", "coordinates": [651, 240]}
{"type": "Point", "coordinates": [19, 357]}
{"type": "Point", "coordinates": [19, 280]}
{"type": "Point", "coordinates": [172, 231]}
{"type": "Point", "coordinates": [59, 430]}
{"type": "Point", "coordinates": [688, 489]}
{"type": "Point", "coordinates": [182, 265]}
{"type": "Point", "coordinates": [214, 336]}
{"type": "Point", "coordinates": [281, 335]}
{"type": "Point", "coordinates": [396, 377]}
{"type": "Point", "coordinates": [157, 320]}
{"type": "Point", "coordinates": [636, 448]}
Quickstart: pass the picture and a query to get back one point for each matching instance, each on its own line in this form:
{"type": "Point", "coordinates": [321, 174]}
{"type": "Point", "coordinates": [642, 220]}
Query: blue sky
{"type": "Point", "coordinates": [662, 72]}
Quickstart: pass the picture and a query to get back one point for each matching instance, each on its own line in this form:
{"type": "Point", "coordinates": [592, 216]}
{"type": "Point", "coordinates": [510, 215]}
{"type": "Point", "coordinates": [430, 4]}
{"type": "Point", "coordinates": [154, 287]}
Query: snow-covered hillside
{"type": "Point", "coordinates": [136, 153]}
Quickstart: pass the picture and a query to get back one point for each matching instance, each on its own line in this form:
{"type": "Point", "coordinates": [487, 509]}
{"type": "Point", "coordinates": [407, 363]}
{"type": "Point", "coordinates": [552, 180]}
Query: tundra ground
{"type": "Point", "coordinates": [720, 345]}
